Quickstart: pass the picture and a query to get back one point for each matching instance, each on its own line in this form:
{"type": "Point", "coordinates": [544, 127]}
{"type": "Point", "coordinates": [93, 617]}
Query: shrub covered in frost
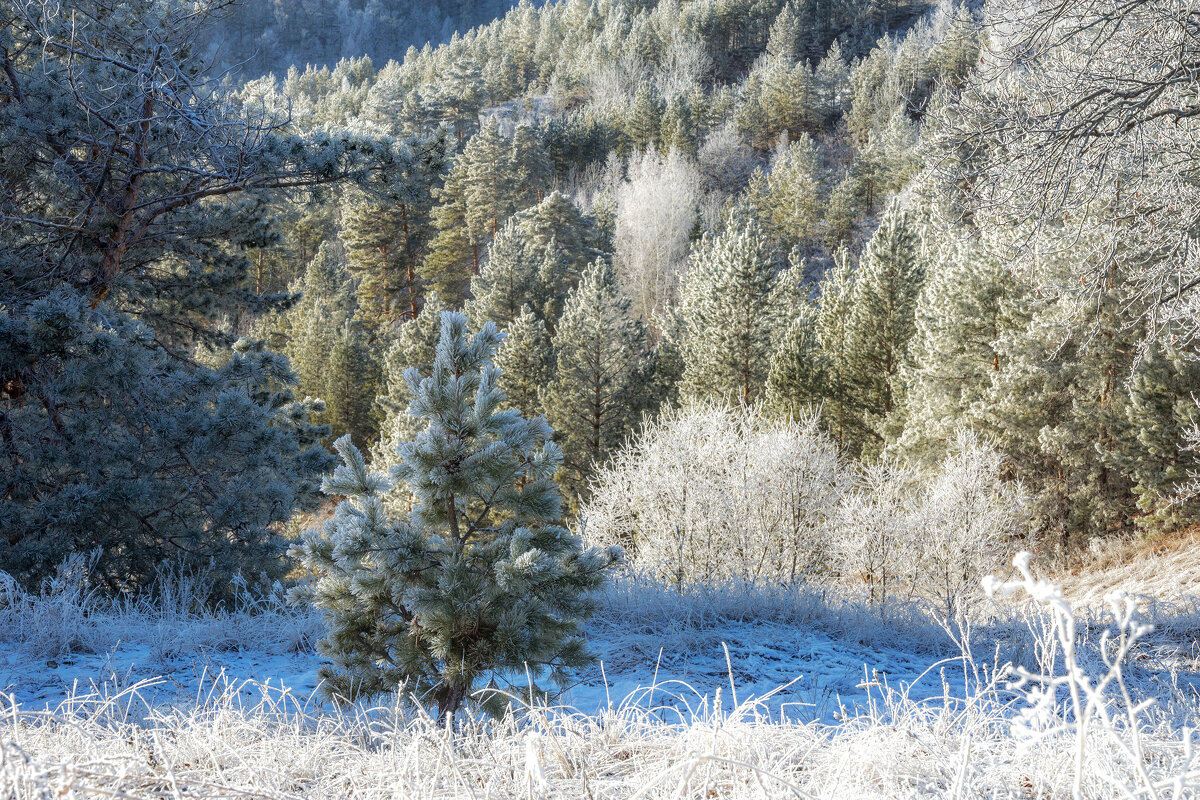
{"type": "Point", "coordinates": [711, 493]}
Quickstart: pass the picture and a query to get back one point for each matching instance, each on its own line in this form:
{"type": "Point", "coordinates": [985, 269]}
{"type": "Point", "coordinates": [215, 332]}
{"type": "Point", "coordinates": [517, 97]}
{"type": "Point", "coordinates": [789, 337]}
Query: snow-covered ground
{"type": "Point", "coordinates": [809, 674]}
{"type": "Point", "coordinates": [730, 693]}
{"type": "Point", "coordinates": [654, 649]}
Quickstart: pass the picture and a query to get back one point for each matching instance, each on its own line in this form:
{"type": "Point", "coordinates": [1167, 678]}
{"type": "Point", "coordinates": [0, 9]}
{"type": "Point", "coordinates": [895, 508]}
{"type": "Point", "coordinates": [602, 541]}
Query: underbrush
{"type": "Point", "coordinates": [1079, 726]}
{"type": "Point", "coordinates": [69, 616]}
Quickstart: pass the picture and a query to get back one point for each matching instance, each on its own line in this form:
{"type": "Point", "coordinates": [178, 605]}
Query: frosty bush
{"type": "Point", "coordinates": [875, 532]}
{"type": "Point", "coordinates": [478, 579]}
{"type": "Point", "coordinates": [969, 522]}
{"type": "Point", "coordinates": [935, 537]}
{"type": "Point", "coordinates": [710, 493]}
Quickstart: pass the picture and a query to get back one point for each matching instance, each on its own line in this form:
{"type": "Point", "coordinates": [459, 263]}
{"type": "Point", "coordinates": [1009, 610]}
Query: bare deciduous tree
{"type": "Point", "coordinates": [1086, 108]}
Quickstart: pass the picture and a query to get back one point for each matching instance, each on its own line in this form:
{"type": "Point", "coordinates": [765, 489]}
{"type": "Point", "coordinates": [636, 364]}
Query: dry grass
{"type": "Point", "coordinates": [1003, 740]}
{"type": "Point", "coordinates": [1165, 566]}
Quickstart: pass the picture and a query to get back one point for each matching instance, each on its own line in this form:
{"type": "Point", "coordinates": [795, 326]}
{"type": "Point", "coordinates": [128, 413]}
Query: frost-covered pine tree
{"type": "Point", "coordinates": [530, 167]}
{"type": "Point", "coordinates": [415, 343]}
{"type": "Point", "coordinates": [478, 582]}
{"type": "Point", "coordinates": [795, 382]}
{"type": "Point", "coordinates": [593, 398]}
{"type": "Point", "coordinates": [131, 196]}
{"type": "Point", "coordinates": [325, 341]}
{"type": "Point", "coordinates": [525, 360]}
{"type": "Point", "coordinates": [731, 308]}
{"type": "Point", "coordinates": [832, 328]}
{"type": "Point", "coordinates": [490, 185]}
{"type": "Point", "coordinates": [883, 314]}
{"type": "Point", "coordinates": [790, 200]}
{"type": "Point", "coordinates": [386, 232]}
{"type": "Point", "coordinates": [508, 281]}
{"type": "Point", "coordinates": [1160, 410]}
{"type": "Point", "coordinates": [350, 384]}
{"type": "Point", "coordinates": [643, 121]}
{"type": "Point", "coordinates": [964, 308]}
{"type": "Point", "coordinates": [452, 257]}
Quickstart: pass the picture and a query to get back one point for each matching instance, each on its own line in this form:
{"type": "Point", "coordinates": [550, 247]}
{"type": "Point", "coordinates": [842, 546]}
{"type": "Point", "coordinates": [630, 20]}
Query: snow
{"type": "Point", "coordinates": [821, 677]}
{"type": "Point", "coordinates": [739, 693]}
{"type": "Point", "coordinates": [673, 654]}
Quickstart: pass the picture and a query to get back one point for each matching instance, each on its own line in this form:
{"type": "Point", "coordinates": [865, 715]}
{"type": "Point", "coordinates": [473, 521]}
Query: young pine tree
{"type": "Point", "coordinates": [796, 380]}
{"type": "Point", "coordinates": [1160, 410]}
{"type": "Point", "coordinates": [883, 314]}
{"type": "Point", "coordinates": [452, 257]}
{"type": "Point", "coordinates": [330, 350]}
{"type": "Point", "coordinates": [732, 314]}
{"type": "Point", "coordinates": [832, 329]}
{"type": "Point", "coordinates": [508, 280]}
{"type": "Point", "coordinates": [525, 360]}
{"type": "Point", "coordinates": [965, 306]}
{"type": "Point", "coordinates": [790, 199]}
{"type": "Point", "coordinates": [491, 186]}
{"type": "Point", "coordinates": [350, 383]}
{"type": "Point", "coordinates": [593, 398]}
{"type": "Point", "coordinates": [643, 123]}
{"type": "Point", "coordinates": [478, 579]}
{"type": "Point", "coordinates": [415, 343]}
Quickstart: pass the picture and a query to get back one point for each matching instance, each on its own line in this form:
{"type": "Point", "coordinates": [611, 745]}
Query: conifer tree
{"type": "Point", "coordinates": [679, 129]}
{"type": "Point", "coordinates": [478, 579]}
{"type": "Point", "coordinates": [530, 167]}
{"type": "Point", "coordinates": [832, 329]}
{"type": "Point", "coordinates": [557, 221]}
{"type": "Point", "coordinates": [1057, 406]}
{"type": "Point", "coordinates": [325, 342]}
{"type": "Point", "coordinates": [643, 121]}
{"type": "Point", "coordinates": [451, 260]}
{"type": "Point", "coordinates": [490, 180]}
{"type": "Point", "coordinates": [415, 343]}
{"type": "Point", "coordinates": [790, 199]}
{"type": "Point", "coordinates": [509, 279]}
{"type": "Point", "coordinates": [965, 306]}
{"type": "Point", "coordinates": [461, 95]}
{"type": "Point", "coordinates": [1059, 420]}
{"type": "Point", "coordinates": [667, 365]}
{"type": "Point", "coordinates": [529, 263]}
{"type": "Point", "coordinates": [567, 241]}
{"type": "Point", "coordinates": [831, 84]}
{"type": "Point", "coordinates": [132, 201]}
{"type": "Point", "coordinates": [731, 314]}
{"type": "Point", "coordinates": [795, 382]}
{"type": "Point", "coordinates": [380, 255]}
{"type": "Point", "coordinates": [788, 98]}
{"type": "Point", "coordinates": [491, 187]}
{"type": "Point", "coordinates": [883, 315]}
{"type": "Point", "coordinates": [350, 381]}
{"type": "Point", "coordinates": [785, 38]}
{"type": "Point", "coordinates": [593, 398]}
{"type": "Point", "coordinates": [1160, 411]}
{"type": "Point", "coordinates": [525, 360]}
{"type": "Point", "coordinates": [845, 208]}
{"type": "Point", "coordinates": [752, 116]}
{"type": "Point", "coordinates": [386, 231]}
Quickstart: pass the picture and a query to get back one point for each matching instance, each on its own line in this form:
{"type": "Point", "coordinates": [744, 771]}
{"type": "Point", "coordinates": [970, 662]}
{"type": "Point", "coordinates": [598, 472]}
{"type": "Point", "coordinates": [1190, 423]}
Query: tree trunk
{"type": "Point", "coordinates": [451, 701]}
